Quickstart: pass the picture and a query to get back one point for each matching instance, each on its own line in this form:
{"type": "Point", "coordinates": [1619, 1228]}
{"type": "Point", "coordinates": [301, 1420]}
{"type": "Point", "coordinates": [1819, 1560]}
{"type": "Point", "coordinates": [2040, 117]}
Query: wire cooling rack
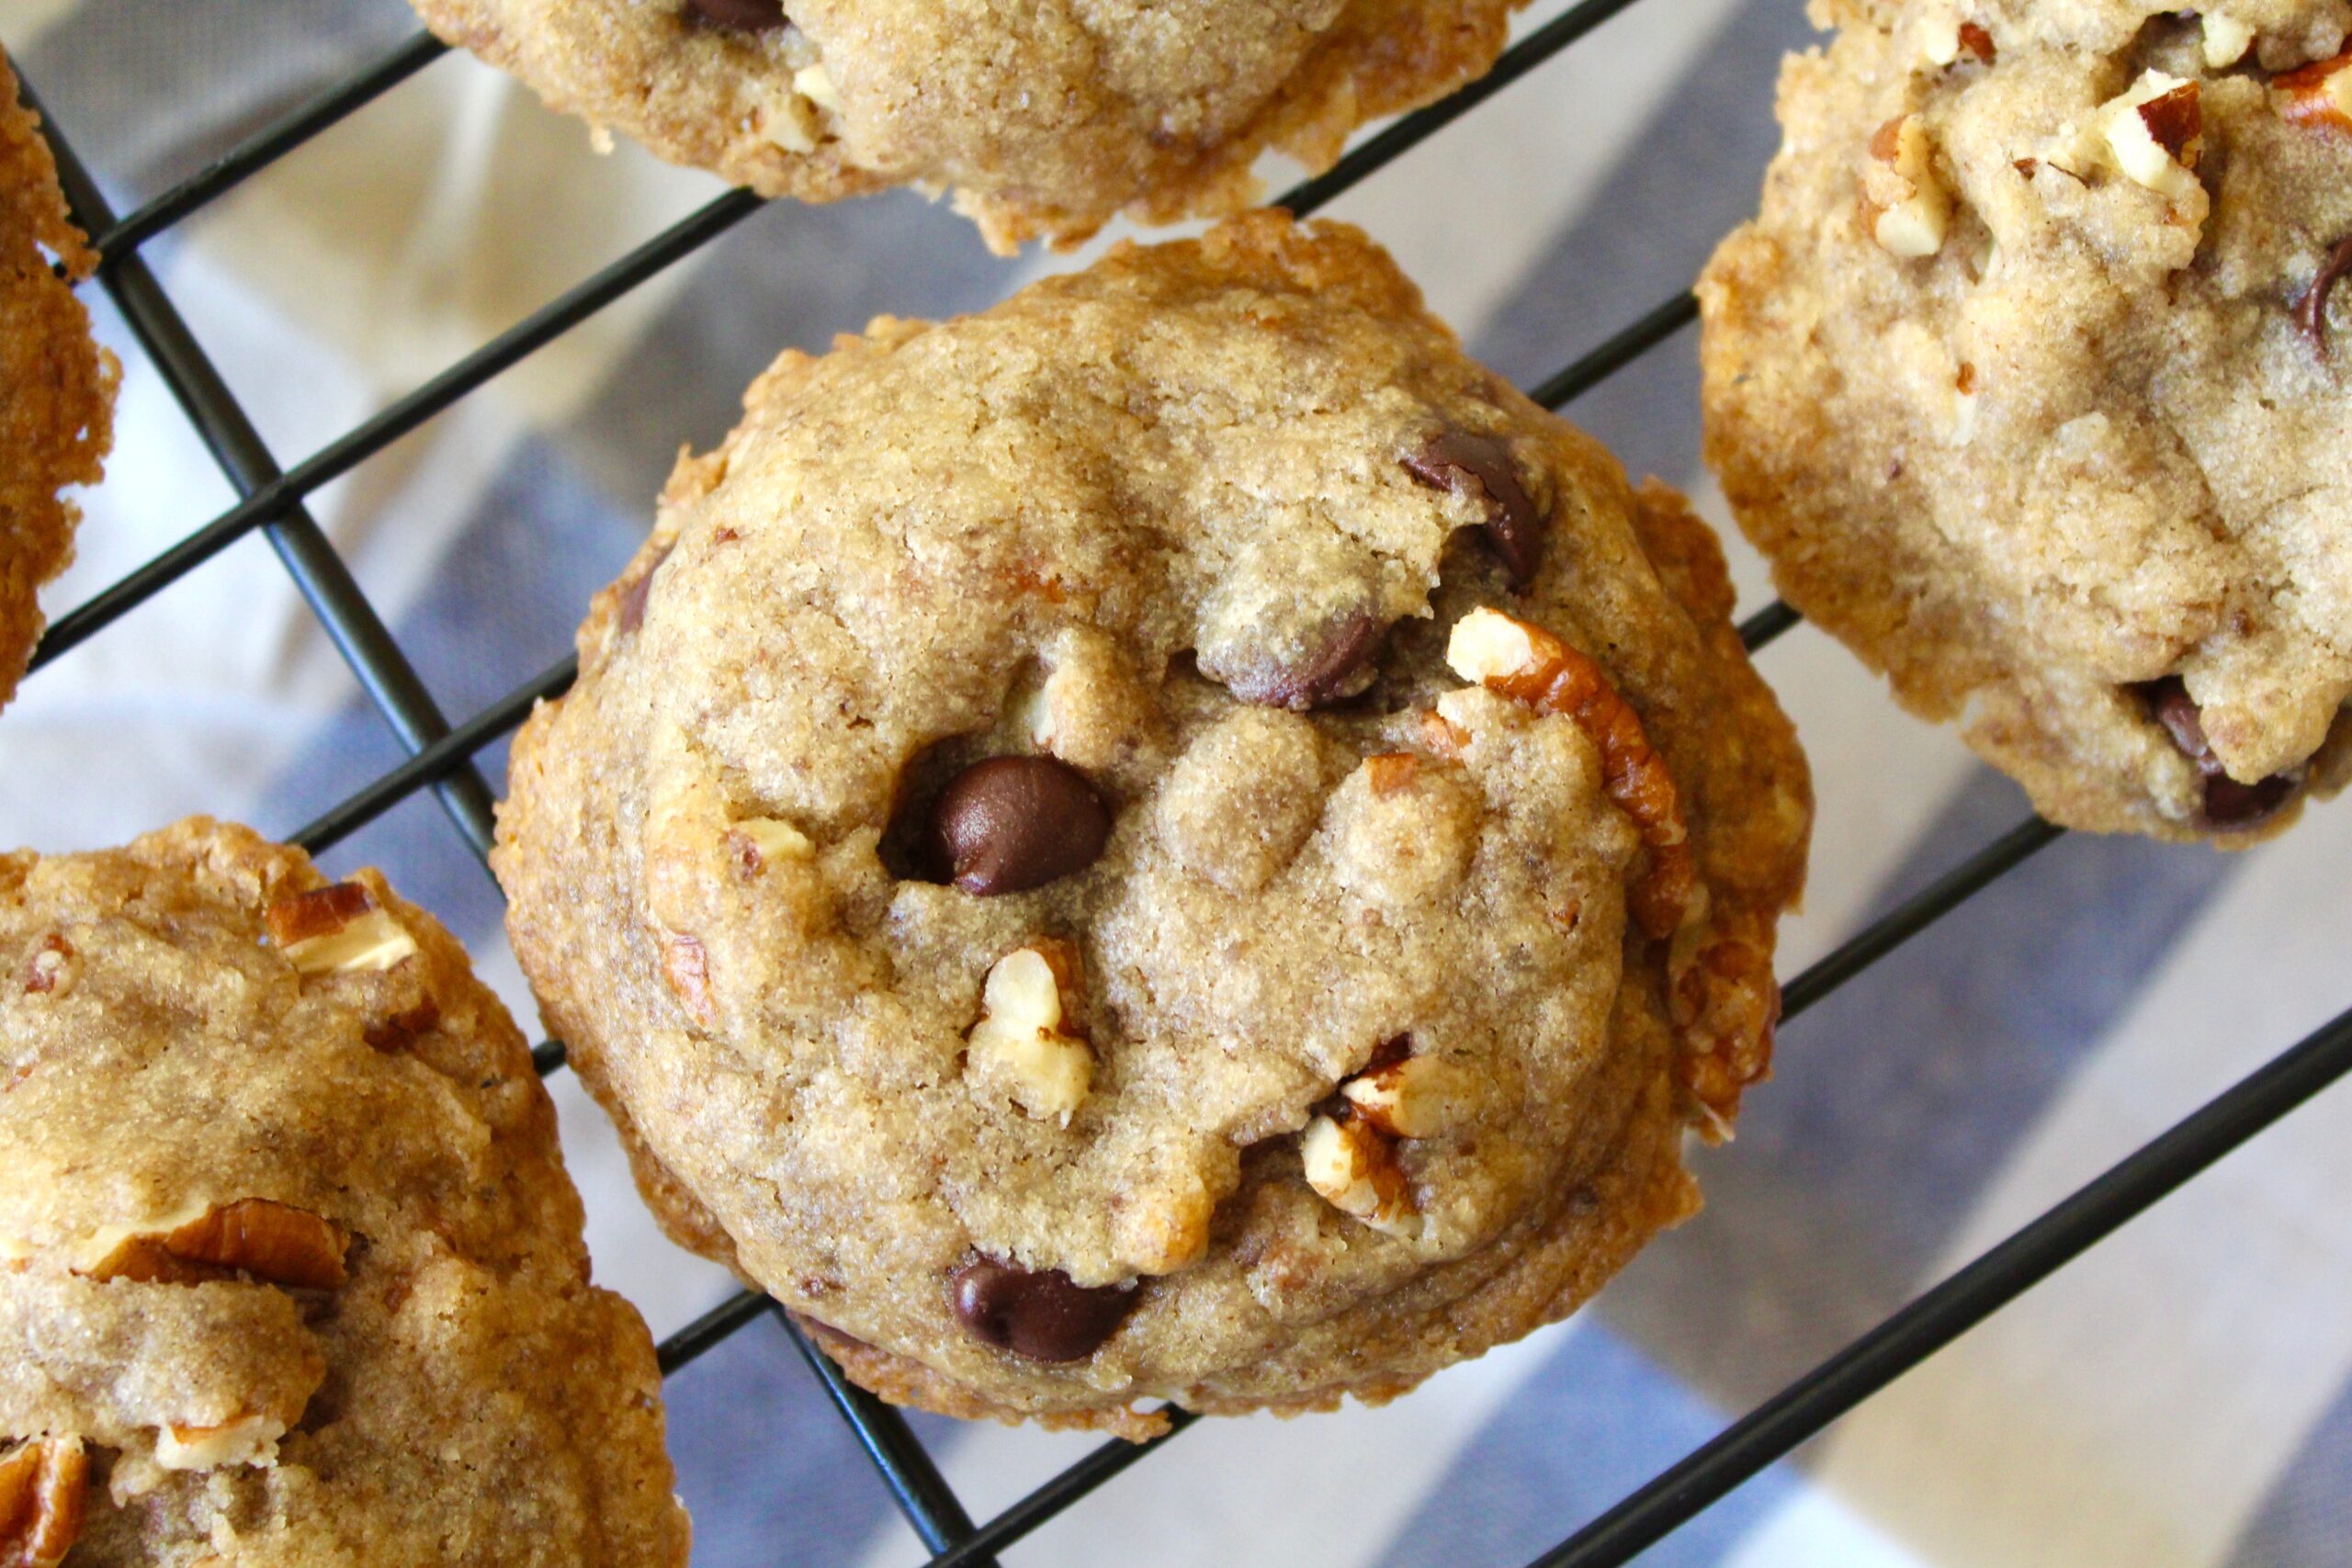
{"type": "Point", "coordinates": [441, 759]}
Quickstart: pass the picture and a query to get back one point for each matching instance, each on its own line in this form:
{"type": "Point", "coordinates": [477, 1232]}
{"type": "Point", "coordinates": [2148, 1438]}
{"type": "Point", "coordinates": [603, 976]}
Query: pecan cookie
{"type": "Point", "coordinates": [1048, 117]}
{"type": "Point", "coordinates": [57, 414]}
{"type": "Point", "coordinates": [1175, 840]}
{"type": "Point", "coordinates": [289, 1272]}
{"type": "Point", "coordinates": [2031, 380]}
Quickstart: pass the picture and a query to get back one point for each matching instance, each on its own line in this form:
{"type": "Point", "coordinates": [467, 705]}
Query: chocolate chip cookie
{"type": "Point", "coordinates": [57, 414]}
{"type": "Point", "coordinates": [1047, 117]}
{"type": "Point", "coordinates": [289, 1272]}
{"type": "Point", "coordinates": [2032, 378]}
{"type": "Point", "coordinates": [1175, 840]}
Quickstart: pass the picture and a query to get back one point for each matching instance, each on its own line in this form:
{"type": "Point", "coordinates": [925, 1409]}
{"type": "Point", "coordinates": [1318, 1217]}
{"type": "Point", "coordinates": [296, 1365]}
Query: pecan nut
{"type": "Point", "coordinates": [43, 1484]}
{"type": "Point", "coordinates": [274, 1242]}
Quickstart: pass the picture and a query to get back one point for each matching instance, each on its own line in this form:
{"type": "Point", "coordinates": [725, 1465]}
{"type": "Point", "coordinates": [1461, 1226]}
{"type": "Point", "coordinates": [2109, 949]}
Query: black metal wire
{"type": "Point", "coordinates": [906, 1467]}
{"type": "Point", "coordinates": [278, 495]}
{"type": "Point", "coordinates": [1764, 628]}
{"type": "Point", "coordinates": [217, 178]}
{"type": "Point", "coordinates": [1918, 912]}
{"type": "Point", "coordinates": [1619, 351]}
{"type": "Point", "coordinates": [1057, 1495]}
{"type": "Point", "coordinates": [684, 1347]}
{"type": "Point", "coordinates": [2126, 1190]}
{"type": "Point", "coordinates": [438, 760]}
{"type": "Point", "coordinates": [442, 758]}
{"type": "Point", "coordinates": [1383, 148]}
{"type": "Point", "coordinates": [390, 681]}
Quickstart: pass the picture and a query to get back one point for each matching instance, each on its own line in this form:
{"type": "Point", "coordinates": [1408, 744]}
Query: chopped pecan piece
{"type": "Point", "coordinates": [53, 967]}
{"type": "Point", "coordinates": [2318, 95]}
{"type": "Point", "coordinates": [1031, 1039]}
{"type": "Point", "coordinates": [685, 966]}
{"type": "Point", "coordinates": [1352, 1163]}
{"type": "Point", "coordinates": [1528, 665]}
{"type": "Point", "coordinates": [43, 1483]}
{"type": "Point", "coordinates": [338, 929]}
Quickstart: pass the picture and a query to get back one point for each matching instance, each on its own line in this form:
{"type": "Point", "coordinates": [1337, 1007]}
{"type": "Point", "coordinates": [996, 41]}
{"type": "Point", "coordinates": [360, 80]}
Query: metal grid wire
{"type": "Point", "coordinates": [441, 758]}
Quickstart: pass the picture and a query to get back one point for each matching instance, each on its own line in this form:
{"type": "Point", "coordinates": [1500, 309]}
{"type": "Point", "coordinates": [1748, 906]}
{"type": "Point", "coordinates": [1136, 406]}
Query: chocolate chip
{"type": "Point", "coordinates": [2227, 803]}
{"type": "Point", "coordinates": [1014, 823]}
{"type": "Point", "coordinates": [1044, 1317]}
{"type": "Point", "coordinates": [1335, 666]}
{"type": "Point", "coordinates": [1481, 467]}
{"type": "Point", "coordinates": [2170, 705]}
{"type": "Point", "coordinates": [738, 16]}
{"type": "Point", "coordinates": [2311, 310]}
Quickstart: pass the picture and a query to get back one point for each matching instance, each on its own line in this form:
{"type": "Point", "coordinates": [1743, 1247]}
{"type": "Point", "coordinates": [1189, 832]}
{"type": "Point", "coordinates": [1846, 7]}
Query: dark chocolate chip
{"type": "Point", "coordinates": [1014, 823]}
{"type": "Point", "coordinates": [738, 16]}
{"type": "Point", "coordinates": [2311, 310]}
{"type": "Point", "coordinates": [1044, 1317]}
{"type": "Point", "coordinates": [1333, 667]}
{"type": "Point", "coordinates": [1481, 466]}
{"type": "Point", "coordinates": [2227, 803]}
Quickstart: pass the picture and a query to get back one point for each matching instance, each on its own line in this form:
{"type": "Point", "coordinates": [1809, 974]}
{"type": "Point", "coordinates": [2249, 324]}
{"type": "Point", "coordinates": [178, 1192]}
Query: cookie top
{"type": "Point", "coordinates": [1021, 869]}
{"type": "Point", "coordinates": [2031, 377]}
{"type": "Point", "coordinates": [289, 1272]}
{"type": "Point", "coordinates": [1048, 117]}
{"type": "Point", "coordinates": [57, 421]}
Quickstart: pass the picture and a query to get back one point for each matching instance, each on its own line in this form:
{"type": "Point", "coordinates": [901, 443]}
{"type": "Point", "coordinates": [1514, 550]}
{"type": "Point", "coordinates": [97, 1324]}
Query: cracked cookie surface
{"type": "Point", "coordinates": [1022, 868]}
{"type": "Point", "coordinates": [289, 1272]}
{"type": "Point", "coordinates": [1047, 117]}
{"type": "Point", "coordinates": [2030, 379]}
{"type": "Point", "coordinates": [57, 418]}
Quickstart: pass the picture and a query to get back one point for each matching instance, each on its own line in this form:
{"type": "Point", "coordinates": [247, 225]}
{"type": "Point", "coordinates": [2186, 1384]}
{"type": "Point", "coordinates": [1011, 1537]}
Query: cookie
{"type": "Point", "coordinates": [1048, 119]}
{"type": "Point", "coordinates": [57, 419]}
{"type": "Point", "coordinates": [289, 1271]}
{"type": "Point", "coordinates": [1173, 840]}
{"type": "Point", "coordinates": [2031, 379]}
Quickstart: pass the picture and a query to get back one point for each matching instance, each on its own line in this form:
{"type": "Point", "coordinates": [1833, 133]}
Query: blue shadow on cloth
{"type": "Point", "coordinates": [1597, 1421]}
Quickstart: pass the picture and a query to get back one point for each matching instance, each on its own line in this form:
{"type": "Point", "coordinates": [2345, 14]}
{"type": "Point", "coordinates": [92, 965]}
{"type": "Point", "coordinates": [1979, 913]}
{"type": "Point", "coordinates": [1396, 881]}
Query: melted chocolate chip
{"type": "Point", "coordinates": [1014, 823]}
{"type": "Point", "coordinates": [1044, 1317]}
{"type": "Point", "coordinates": [738, 16]}
{"type": "Point", "coordinates": [2227, 803]}
{"type": "Point", "coordinates": [1334, 668]}
{"type": "Point", "coordinates": [1481, 466]}
{"type": "Point", "coordinates": [2170, 705]}
{"type": "Point", "coordinates": [2311, 310]}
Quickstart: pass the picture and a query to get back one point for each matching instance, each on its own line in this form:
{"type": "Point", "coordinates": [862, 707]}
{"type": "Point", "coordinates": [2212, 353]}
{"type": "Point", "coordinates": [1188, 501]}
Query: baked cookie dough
{"type": "Point", "coordinates": [57, 413]}
{"type": "Point", "coordinates": [1048, 117]}
{"type": "Point", "coordinates": [1176, 839]}
{"type": "Point", "coordinates": [2031, 380]}
{"type": "Point", "coordinates": [289, 1272]}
